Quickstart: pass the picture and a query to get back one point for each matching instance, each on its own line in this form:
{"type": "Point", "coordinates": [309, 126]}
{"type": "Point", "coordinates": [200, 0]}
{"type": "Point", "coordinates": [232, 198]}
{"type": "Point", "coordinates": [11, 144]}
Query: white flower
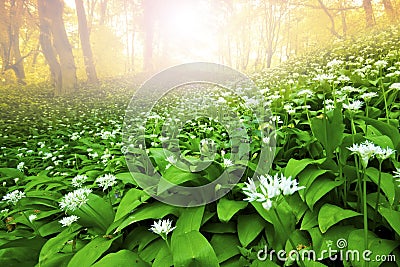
{"type": "Point", "coordinates": [75, 199]}
{"type": "Point", "coordinates": [366, 151]}
{"type": "Point", "coordinates": [396, 173]}
{"type": "Point", "coordinates": [380, 63]}
{"type": "Point", "coordinates": [32, 217]}
{"type": "Point", "coordinates": [228, 163]}
{"type": "Point", "coordinates": [395, 86]}
{"type": "Point", "coordinates": [20, 166]}
{"type": "Point", "coordinates": [79, 180]}
{"type": "Point", "coordinates": [162, 227]}
{"type": "Point", "coordinates": [384, 153]}
{"type": "Point", "coordinates": [355, 105]}
{"type": "Point", "coordinates": [67, 221]}
{"type": "Point", "coordinates": [368, 96]}
{"type": "Point", "coordinates": [305, 92]}
{"type": "Point", "coordinates": [271, 188]}
{"type": "Point", "coordinates": [289, 186]}
{"type": "Point", "coordinates": [13, 197]}
{"type": "Point", "coordinates": [108, 180]}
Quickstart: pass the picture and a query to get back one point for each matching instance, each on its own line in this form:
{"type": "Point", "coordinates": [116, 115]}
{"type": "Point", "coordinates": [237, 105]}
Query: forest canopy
{"type": "Point", "coordinates": [64, 42]}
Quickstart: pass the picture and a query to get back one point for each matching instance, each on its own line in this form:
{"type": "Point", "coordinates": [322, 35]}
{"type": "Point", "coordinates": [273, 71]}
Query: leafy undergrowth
{"type": "Point", "coordinates": [69, 198]}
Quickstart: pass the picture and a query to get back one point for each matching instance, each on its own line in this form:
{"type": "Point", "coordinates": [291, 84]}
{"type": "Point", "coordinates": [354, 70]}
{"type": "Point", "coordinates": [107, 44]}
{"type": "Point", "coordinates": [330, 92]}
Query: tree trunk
{"type": "Point", "coordinates": [85, 42]}
{"type": "Point", "coordinates": [15, 23]}
{"type": "Point", "coordinates": [103, 9]}
{"type": "Point", "coordinates": [389, 11]}
{"type": "Point", "coordinates": [54, 42]}
{"type": "Point", "coordinates": [47, 46]}
{"type": "Point", "coordinates": [149, 20]}
{"type": "Point", "coordinates": [369, 13]}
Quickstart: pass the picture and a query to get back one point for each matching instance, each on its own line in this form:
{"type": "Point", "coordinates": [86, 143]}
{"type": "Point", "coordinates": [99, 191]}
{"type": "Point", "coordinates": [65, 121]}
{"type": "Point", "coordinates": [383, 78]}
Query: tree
{"type": "Point", "coordinates": [56, 47]}
{"type": "Point", "coordinates": [149, 14]}
{"type": "Point", "coordinates": [389, 10]}
{"type": "Point", "coordinates": [85, 42]}
{"type": "Point", "coordinates": [369, 13]}
{"type": "Point", "coordinates": [9, 35]}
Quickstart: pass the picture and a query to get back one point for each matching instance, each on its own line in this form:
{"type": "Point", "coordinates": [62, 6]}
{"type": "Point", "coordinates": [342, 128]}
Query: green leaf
{"type": "Point", "coordinates": [189, 220]}
{"type": "Point", "coordinates": [392, 217]}
{"type": "Point", "coordinates": [377, 246]}
{"type": "Point", "coordinates": [121, 258]}
{"type": "Point", "coordinates": [387, 184]}
{"type": "Point", "coordinates": [310, 220]}
{"type": "Point", "coordinates": [385, 129]}
{"type": "Point", "coordinates": [55, 244]}
{"type": "Point", "coordinates": [329, 131]}
{"type": "Point", "coordinates": [155, 210]}
{"type": "Point", "coordinates": [87, 255]}
{"type": "Point", "coordinates": [294, 166]}
{"type": "Point", "coordinates": [225, 246]}
{"type": "Point", "coordinates": [131, 200]}
{"type": "Point", "coordinates": [318, 189]}
{"type": "Point", "coordinates": [227, 208]}
{"type": "Point", "coordinates": [96, 213]}
{"type": "Point", "coordinates": [192, 249]}
{"type": "Point", "coordinates": [329, 215]}
{"type": "Point", "coordinates": [249, 227]}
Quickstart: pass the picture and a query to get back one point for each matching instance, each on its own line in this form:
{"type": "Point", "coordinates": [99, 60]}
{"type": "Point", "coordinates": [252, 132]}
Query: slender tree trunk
{"type": "Point", "coordinates": [149, 18]}
{"type": "Point", "coordinates": [389, 10]}
{"type": "Point", "coordinates": [103, 9]}
{"type": "Point", "coordinates": [47, 46]}
{"type": "Point", "coordinates": [55, 44]}
{"type": "Point", "coordinates": [369, 13]}
{"type": "Point", "coordinates": [85, 42]}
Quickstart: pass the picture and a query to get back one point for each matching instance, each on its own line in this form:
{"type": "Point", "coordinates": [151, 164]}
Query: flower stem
{"type": "Point", "coordinates": [378, 194]}
{"type": "Point", "coordinates": [365, 213]}
{"type": "Point", "coordinates": [289, 238]}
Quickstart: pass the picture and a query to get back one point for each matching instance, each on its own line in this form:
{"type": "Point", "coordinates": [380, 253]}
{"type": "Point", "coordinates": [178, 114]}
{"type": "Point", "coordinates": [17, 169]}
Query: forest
{"type": "Point", "coordinates": [199, 133]}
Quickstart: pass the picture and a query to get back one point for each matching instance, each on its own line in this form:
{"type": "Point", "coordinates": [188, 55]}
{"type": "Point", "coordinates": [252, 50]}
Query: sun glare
{"type": "Point", "coordinates": [190, 30]}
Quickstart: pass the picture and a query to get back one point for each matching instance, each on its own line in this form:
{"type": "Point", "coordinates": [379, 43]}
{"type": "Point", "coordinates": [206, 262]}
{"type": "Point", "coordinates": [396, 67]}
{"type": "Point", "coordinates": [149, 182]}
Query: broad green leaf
{"type": "Point", "coordinates": [249, 227]}
{"type": "Point", "coordinates": [329, 215]}
{"type": "Point", "coordinates": [376, 245]}
{"type": "Point", "coordinates": [307, 177]}
{"type": "Point", "coordinates": [385, 129]}
{"type": "Point", "coordinates": [227, 208]}
{"type": "Point", "coordinates": [154, 211]}
{"type": "Point", "coordinates": [87, 255]}
{"type": "Point", "coordinates": [96, 213]}
{"type": "Point", "coordinates": [387, 184]}
{"type": "Point", "coordinates": [121, 258]}
{"type": "Point", "coordinates": [294, 166]}
{"type": "Point", "coordinates": [318, 189]}
{"type": "Point", "coordinates": [392, 217]}
{"type": "Point", "coordinates": [190, 219]}
{"type": "Point", "coordinates": [329, 131]}
{"type": "Point", "coordinates": [55, 244]}
{"type": "Point", "coordinates": [131, 200]}
{"type": "Point", "coordinates": [225, 246]}
{"type": "Point", "coordinates": [310, 220]}
{"type": "Point", "coordinates": [192, 249]}
{"type": "Point", "coordinates": [163, 258]}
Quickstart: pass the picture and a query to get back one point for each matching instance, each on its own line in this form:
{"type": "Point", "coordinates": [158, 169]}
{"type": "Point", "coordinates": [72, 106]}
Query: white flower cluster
{"type": "Point", "coordinates": [79, 180]}
{"type": "Point", "coordinates": [13, 197]}
{"type": "Point", "coordinates": [106, 181]}
{"type": "Point", "coordinates": [75, 199]}
{"type": "Point", "coordinates": [368, 150]}
{"type": "Point", "coordinates": [271, 189]}
{"type": "Point", "coordinates": [67, 221]}
{"type": "Point", "coordinates": [162, 227]}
